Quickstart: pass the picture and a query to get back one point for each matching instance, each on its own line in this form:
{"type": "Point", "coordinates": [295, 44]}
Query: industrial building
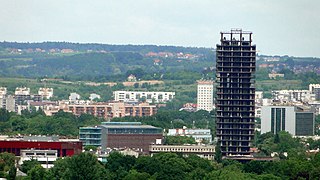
{"type": "Point", "coordinates": [119, 135]}
{"type": "Point", "coordinates": [17, 145]}
{"type": "Point", "coordinates": [292, 119]}
{"type": "Point", "coordinates": [235, 105]}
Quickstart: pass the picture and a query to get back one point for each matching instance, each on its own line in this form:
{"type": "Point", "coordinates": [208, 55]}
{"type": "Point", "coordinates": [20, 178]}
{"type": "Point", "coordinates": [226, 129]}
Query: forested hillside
{"type": "Point", "coordinates": [73, 61]}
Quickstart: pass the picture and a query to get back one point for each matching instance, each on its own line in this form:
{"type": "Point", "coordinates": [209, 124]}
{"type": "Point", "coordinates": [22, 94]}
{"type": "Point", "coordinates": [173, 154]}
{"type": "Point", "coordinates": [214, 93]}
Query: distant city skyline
{"type": "Point", "coordinates": [287, 27]}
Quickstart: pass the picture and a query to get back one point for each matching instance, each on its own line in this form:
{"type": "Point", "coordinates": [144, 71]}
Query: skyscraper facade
{"type": "Point", "coordinates": [235, 73]}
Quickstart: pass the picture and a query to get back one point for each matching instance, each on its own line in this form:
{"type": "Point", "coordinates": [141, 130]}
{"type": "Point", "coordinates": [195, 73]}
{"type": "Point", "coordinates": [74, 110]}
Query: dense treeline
{"type": "Point", "coordinates": [167, 166]}
{"type": "Point", "coordinates": [66, 124]}
{"type": "Point", "coordinates": [291, 162]}
{"type": "Point", "coordinates": [168, 119]}
{"type": "Point", "coordinates": [105, 47]}
{"type": "Point", "coordinates": [36, 123]}
{"type": "Point", "coordinates": [96, 62]}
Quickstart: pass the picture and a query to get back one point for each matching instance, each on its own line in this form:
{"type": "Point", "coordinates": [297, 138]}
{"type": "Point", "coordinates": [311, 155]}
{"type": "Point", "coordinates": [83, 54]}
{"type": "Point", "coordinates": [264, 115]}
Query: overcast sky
{"type": "Point", "coordinates": [280, 27]}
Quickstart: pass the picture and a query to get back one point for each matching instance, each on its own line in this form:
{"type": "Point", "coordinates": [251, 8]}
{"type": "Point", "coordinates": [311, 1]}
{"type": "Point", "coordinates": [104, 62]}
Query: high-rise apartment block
{"type": "Point", "coordinates": [205, 95]}
{"type": "Point", "coordinates": [235, 72]}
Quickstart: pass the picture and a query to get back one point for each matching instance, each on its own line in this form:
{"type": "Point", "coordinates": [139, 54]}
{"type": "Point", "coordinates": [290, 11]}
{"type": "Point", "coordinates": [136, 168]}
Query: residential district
{"type": "Point", "coordinates": [236, 103]}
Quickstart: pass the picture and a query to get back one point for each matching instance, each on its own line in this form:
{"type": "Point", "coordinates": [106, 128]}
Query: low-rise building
{"type": "Point", "coordinates": [206, 152]}
{"type": "Point", "coordinates": [94, 96]}
{"type": "Point", "coordinates": [275, 75]}
{"type": "Point", "coordinates": [63, 148]}
{"type": "Point", "coordinates": [200, 135]}
{"type": "Point", "coordinates": [45, 157]}
{"type": "Point", "coordinates": [114, 109]}
{"type": "Point", "coordinates": [132, 78]}
{"type": "Point", "coordinates": [119, 135]}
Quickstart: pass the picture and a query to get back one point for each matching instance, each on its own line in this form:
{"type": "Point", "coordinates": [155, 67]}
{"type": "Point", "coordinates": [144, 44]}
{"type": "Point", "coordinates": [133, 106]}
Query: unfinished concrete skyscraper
{"type": "Point", "coordinates": [236, 64]}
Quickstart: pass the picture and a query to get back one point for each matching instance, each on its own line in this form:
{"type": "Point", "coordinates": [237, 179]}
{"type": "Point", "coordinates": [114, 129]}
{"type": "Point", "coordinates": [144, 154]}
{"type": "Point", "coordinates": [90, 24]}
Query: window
{"type": "Point", "coordinates": [283, 119]}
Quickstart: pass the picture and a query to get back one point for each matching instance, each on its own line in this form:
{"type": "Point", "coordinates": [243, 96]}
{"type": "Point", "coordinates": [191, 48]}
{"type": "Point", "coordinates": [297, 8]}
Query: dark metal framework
{"type": "Point", "coordinates": [236, 64]}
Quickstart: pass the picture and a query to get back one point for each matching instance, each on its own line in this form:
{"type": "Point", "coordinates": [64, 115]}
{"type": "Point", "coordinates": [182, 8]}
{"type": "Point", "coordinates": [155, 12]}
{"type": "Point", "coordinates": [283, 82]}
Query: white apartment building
{"type": "Point", "coordinates": [150, 97]}
{"type": "Point", "coordinates": [3, 91]}
{"type": "Point", "coordinates": [8, 102]}
{"type": "Point", "coordinates": [46, 93]}
{"type": "Point", "coordinates": [205, 95]}
{"type": "Point", "coordinates": [22, 91]}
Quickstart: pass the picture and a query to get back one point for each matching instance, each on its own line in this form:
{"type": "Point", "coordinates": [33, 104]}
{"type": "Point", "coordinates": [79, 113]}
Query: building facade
{"type": "Point", "coordinates": [114, 109]}
{"type": "Point", "coordinates": [293, 95]}
{"type": "Point", "coordinates": [235, 72]}
{"type": "Point", "coordinates": [206, 152]}
{"type": "Point", "coordinates": [119, 135]}
{"type": "Point", "coordinates": [3, 91]}
{"type": "Point", "coordinates": [287, 118]}
{"type": "Point", "coordinates": [46, 158]}
{"type": "Point", "coordinates": [22, 91]}
{"type": "Point", "coordinates": [199, 135]}
{"type": "Point", "coordinates": [8, 102]}
{"type": "Point", "coordinates": [312, 87]}
{"type": "Point", "coordinates": [46, 93]}
{"type": "Point", "coordinates": [205, 95]}
{"type": "Point", "coordinates": [15, 146]}
{"type": "Point", "coordinates": [136, 96]}
{"type": "Point", "coordinates": [91, 136]}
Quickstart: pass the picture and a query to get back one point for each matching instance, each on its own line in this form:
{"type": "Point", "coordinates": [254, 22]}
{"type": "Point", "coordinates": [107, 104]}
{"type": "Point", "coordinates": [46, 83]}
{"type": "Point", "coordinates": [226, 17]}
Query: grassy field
{"type": "Point", "coordinates": [267, 85]}
{"type": "Point", "coordinates": [15, 59]}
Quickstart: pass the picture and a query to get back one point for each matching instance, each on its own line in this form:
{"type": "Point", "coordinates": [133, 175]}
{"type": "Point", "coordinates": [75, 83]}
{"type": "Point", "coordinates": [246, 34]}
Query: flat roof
{"type": "Point", "coordinates": [130, 127]}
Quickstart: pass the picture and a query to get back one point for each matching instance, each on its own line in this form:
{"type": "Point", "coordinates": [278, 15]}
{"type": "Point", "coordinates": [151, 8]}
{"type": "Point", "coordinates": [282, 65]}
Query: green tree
{"type": "Point", "coordinates": [37, 173]}
{"type": "Point", "coordinates": [179, 140]}
{"type": "Point", "coordinates": [4, 115]}
{"type": "Point", "coordinates": [7, 165]}
{"type": "Point", "coordinates": [120, 164]}
{"type": "Point", "coordinates": [84, 166]}
{"type": "Point", "coordinates": [218, 153]}
{"type": "Point", "coordinates": [171, 166]}
{"type": "Point", "coordinates": [28, 165]}
{"type": "Point", "coordinates": [88, 148]}
{"type": "Point", "coordinates": [135, 175]}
